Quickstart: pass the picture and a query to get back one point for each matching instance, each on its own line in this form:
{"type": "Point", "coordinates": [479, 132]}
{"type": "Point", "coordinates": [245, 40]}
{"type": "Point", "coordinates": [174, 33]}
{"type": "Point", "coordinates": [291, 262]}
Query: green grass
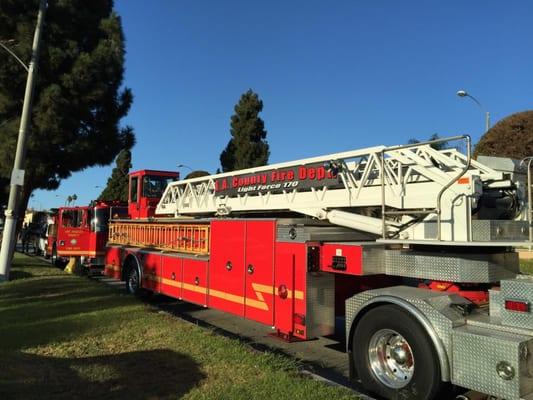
{"type": "Point", "coordinates": [526, 266]}
{"type": "Point", "coordinates": [66, 337]}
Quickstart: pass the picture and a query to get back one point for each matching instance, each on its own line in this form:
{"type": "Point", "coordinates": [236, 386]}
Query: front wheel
{"type": "Point", "coordinates": [133, 281]}
{"type": "Point", "coordinates": [394, 357]}
{"type": "Point", "coordinates": [54, 258]}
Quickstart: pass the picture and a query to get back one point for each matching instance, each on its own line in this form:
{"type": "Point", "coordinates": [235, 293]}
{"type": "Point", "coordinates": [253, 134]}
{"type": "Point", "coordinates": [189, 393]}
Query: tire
{"type": "Point", "coordinates": [54, 258]}
{"type": "Point", "coordinates": [394, 357]}
{"type": "Point", "coordinates": [133, 280]}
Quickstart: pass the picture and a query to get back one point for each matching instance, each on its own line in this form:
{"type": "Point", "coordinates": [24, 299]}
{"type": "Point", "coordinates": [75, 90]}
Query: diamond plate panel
{"type": "Point", "coordinates": [373, 261]}
{"type": "Point", "coordinates": [484, 230]}
{"type": "Point", "coordinates": [320, 314]}
{"type": "Point", "coordinates": [478, 268]}
{"type": "Point", "coordinates": [477, 352]}
{"type": "Point", "coordinates": [517, 289]}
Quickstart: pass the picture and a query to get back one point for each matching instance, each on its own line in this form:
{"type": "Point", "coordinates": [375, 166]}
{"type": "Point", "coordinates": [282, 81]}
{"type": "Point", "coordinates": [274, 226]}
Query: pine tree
{"type": "Point", "coordinates": [247, 148]}
{"type": "Point", "coordinates": [510, 137]}
{"type": "Point", "coordinates": [79, 98]}
{"type": "Point", "coordinates": [117, 184]}
{"type": "Point", "coordinates": [436, 146]}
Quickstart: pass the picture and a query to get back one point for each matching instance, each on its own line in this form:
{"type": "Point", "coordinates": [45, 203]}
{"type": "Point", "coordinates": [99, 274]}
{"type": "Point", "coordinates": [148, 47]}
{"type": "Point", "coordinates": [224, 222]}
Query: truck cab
{"type": "Point", "coordinates": [82, 231]}
{"type": "Point", "coordinates": [145, 189]}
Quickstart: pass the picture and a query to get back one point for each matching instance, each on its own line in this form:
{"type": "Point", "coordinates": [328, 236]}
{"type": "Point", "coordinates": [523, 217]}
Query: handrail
{"type": "Point", "coordinates": [445, 187]}
{"type": "Point", "coordinates": [437, 210]}
{"type": "Point", "coordinates": [529, 197]}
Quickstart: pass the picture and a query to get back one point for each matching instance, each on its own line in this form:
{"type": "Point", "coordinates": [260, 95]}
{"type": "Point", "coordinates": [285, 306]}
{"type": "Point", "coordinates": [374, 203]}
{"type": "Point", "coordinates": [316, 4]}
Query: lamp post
{"type": "Point", "coordinates": [17, 175]}
{"type": "Point", "coordinates": [184, 166]}
{"type": "Point", "coordinates": [464, 93]}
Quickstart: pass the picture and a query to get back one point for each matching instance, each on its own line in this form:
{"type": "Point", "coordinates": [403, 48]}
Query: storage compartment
{"type": "Point", "coordinates": [171, 276]}
{"type": "Point", "coordinates": [259, 275]}
{"type": "Point", "coordinates": [226, 268]}
{"type": "Point", "coordinates": [305, 297]}
{"type": "Point", "coordinates": [194, 287]}
{"type": "Point", "coordinates": [151, 264]}
{"type": "Point", "coordinates": [112, 262]}
{"type": "Point", "coordinates": [492, 362]}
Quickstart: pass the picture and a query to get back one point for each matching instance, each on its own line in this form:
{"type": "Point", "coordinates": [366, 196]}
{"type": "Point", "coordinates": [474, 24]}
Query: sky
{"type": "Point", "coordinates": [333, 76]}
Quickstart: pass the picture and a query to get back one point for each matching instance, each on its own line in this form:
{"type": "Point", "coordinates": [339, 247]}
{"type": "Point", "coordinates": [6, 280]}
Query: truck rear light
{"type": "Point", "coordinates": [517, 305]}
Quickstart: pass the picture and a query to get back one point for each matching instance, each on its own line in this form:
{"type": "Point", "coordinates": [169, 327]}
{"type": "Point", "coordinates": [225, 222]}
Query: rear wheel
{"type": "Point", "coordinates": [394, 357]}
{"type": "Point", "coordinates": [133, 281]}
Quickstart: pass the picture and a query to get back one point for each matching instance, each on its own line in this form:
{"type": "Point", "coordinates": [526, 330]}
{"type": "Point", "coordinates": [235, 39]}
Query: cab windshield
{"type": "Point", "coordinates": [154, 186]}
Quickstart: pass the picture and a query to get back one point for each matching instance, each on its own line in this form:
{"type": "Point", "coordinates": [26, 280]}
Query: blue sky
{"type": "Point", "coordinates": [333, 76]}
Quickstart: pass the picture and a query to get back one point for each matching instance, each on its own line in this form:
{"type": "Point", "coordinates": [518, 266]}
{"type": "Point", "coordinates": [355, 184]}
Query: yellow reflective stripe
{"type": "Point", "coordinates": [259, 289]}
{"type": "Point", "coordinates": [79, 253]}
{"type": "Point", "coordinates": [226, 296]}
{"type": "Point", "coordinates": [194, 288]}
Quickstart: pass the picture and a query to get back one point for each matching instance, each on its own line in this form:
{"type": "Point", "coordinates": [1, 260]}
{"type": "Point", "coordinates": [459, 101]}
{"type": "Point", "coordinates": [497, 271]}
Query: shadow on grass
{"type": "Point", "coordinates": [25, 266]}
{"type": "Point", "coordinates": [44, 310]}
{"type": "Point", "coordinates": [154, 374]}
{"type": "Point", "coordinates": [20, 274]}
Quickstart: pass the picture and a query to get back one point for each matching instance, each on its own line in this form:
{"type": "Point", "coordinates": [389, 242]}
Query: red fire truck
{"type": "Point", "coordinates": [412, 246]}
{"type": "Point", "coordinates": [81, 231]}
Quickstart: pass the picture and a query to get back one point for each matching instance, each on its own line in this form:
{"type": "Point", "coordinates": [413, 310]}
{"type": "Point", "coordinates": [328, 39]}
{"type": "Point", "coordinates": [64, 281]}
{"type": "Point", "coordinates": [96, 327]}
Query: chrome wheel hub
{"type": "Point", "coordinates": [391, 358]}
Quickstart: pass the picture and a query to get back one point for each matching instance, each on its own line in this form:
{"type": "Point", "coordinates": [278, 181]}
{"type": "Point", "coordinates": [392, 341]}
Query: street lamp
{"type": "Point", "coordinates": [184, 166]}
{"type": "Point", "coordinates": [17, 174]}
{"type": "Point", "coordinates": [464, 93]}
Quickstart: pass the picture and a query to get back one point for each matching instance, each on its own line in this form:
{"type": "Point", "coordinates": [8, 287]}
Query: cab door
{"type": "Point", "coordinates": [134, 195]}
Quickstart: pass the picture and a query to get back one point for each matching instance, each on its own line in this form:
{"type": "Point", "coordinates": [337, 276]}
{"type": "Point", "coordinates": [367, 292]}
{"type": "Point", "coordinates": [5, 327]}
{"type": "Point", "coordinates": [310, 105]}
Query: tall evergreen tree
{"type": "Point", "coordinates": [247, 148]}
{"type": "Point", "coordinates": [436, 146]}
{"type": "Point", "coordinates": [79, 99]}
{"type": "Point", "coordinates": [117, 184]}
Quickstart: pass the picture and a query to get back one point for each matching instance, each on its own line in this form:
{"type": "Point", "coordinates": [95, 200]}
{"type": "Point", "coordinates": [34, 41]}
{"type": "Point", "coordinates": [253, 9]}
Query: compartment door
{"type": "Point", "coordinates": [226, 266]}
{"type": "Point", "coordinates": [151, 263]}
{"type": "Point", "coordinates": [171, 276]}
{"type": "Point", "coordinates": [194, 287]}
{"type": "Point", "coordinates": [259, 275]}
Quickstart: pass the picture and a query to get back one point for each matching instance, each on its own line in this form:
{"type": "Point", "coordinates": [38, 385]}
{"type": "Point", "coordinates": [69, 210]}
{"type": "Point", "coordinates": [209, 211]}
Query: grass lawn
{"type": "Point", "coordinates": [67, 337]}
{"type": "Point", "coordinates": [526, 266]}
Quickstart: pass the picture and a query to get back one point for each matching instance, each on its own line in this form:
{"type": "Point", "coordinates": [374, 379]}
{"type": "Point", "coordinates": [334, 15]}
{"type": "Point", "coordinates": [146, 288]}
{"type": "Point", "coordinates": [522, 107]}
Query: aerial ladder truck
{"type": "Point", "coordinates": [414, 247]}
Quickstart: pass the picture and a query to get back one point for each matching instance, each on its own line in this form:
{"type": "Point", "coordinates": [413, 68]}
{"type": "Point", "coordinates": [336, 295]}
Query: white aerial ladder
{"type": "Point", "coordinates": [409, 193]}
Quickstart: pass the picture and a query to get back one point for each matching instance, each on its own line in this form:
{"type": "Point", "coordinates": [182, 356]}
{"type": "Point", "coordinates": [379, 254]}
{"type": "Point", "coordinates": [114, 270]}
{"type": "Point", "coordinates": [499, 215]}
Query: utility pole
{"type": "Point", "coordinates": [17, 175]}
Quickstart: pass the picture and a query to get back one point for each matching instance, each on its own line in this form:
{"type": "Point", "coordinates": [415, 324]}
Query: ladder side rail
{"type": "Point", "coordinates": [485, 172]}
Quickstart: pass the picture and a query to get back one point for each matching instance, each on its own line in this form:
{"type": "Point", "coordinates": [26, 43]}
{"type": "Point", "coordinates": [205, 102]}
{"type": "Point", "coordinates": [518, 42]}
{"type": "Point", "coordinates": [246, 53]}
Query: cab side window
{"type": "Point", "coordinates": [133, 189]}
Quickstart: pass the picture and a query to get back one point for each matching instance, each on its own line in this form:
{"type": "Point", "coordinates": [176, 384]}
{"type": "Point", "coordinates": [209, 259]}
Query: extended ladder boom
{"type": "Point", "coordinates": [402, 186]}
